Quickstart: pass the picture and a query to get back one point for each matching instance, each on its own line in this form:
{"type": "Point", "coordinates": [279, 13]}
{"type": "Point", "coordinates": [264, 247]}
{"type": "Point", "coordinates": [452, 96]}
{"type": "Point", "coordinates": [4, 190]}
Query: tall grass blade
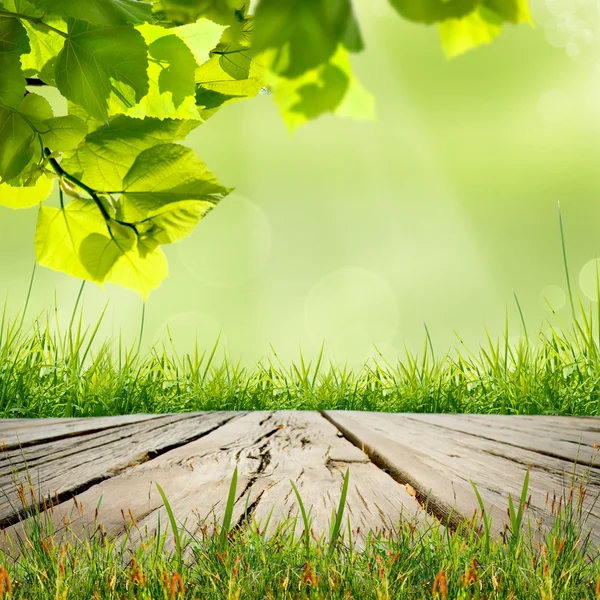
{"type": "Point", "coordinates": [564, 253]}
{"type": "Point", "coordinates": [229, 508]}
{"type": "Point", "coordinates": [340, 513]}
{"type": "Point", "coordinates": [178, 548]}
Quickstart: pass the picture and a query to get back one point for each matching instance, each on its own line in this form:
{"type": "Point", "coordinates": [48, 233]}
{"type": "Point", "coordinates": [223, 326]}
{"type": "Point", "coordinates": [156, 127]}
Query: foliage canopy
{"type": "Point", "coordinates": [138, 77]}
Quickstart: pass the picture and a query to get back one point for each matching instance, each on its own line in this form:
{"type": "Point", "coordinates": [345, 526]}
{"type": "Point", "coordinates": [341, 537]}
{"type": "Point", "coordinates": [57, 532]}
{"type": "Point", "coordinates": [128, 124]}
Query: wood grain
{"type": "Point", "coordinates": [66, 465]}
{"type": "Point", "coordinates": [419, 450]}
{"type": "Point", "coordinates": [269, 449]}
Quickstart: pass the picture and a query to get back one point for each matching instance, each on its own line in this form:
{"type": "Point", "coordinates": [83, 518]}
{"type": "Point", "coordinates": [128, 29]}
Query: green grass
{"type": "Point", "coordinates": [48, 373]}
{"type": "Point", "coordinates": [243, 563]}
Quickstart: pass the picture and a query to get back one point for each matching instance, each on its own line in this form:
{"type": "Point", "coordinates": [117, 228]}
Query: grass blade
{"type": "Point", "coordinates": [178, 548]}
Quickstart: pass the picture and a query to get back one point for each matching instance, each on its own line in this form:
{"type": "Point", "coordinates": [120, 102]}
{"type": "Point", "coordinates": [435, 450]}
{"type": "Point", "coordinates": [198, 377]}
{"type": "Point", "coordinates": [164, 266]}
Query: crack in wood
{"type": "Point", "coordinates": [265, 460]}
{"type": "Point", "coordinates": [247, 514]}
{"type": "Point", "coordinates": [267, 418]}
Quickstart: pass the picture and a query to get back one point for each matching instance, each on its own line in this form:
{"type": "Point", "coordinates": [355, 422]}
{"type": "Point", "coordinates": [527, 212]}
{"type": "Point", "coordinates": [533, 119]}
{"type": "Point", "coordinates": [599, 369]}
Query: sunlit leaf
{"type": "Point", "coordinates": [13, 37]}
{"type": "Point", "coordinates": [303, 33]}
{"type": "Point", "coordinates": [217, 88]}
{"type": "Point", "coordinates": [178, 76]}
{"type": "Point", "coordinates": [459, 35]}
{"type": "Point", "coordinates": [76, 240]}
{"type": "Point", "coordinates": [109, 152]}
{"type": "Point", "coordinates": [124, 259]}
{"type": "Point", "coordinates": [175, 221]}
{"type": "Point", "coordinates": [17, 144]}
{"type": "Point", "coordinates": [434, 11]}
{"type": "Point", "coordinates": [174, 54]}
{"type": "Point", "coordinates": [165, 174]}
{"type": "Point", "coordinates": [99, 12]}
{"type": "Point", "coordinates": [223, 12]}
{"type": "Point", "coordinates": [13, 43]}
{"type": "Point", "coordinates": [92, 55]}
{"type": "Point", "coordinates": [200, 37]}
{"type": "Point", "coordinates": [12, 80]}
{"type": "Point", "coordinates": [60, 233]}
{"type": "Point", "coordinates": [514, 11]}
{"type": "Point", "coordinates": [25, 197]}
{"type": "Point", "coordinates": [331, 87]}
{"type": "Point", "coordinates": [64, 133]}
{"type": "Point", "coordinates": [45, 46]}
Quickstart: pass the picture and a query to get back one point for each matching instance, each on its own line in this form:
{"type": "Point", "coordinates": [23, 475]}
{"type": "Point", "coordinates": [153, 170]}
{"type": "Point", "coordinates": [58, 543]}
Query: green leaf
{"type": "Point", "coordinates": [76, 240]}
{"type": "Point", "coordinates": [24, 130]}
{"type": "Point", "coordinates": [171, 71]}
{"type": "Point", "coordinates": [37, 109]}
{"type": "Point", "coordinates": [178, 76]}
{"type": "Point", "coordinates": [60, 233]}
{"type": "Point", "coordinates": [13, 43]}
{"type": "Point", "coordinates": [433, 11]}
{"type": "Point", "coordinates": [22, 7]}
{"type": "Point", "coordinates": [25, 197]}
{"type": "Point", "coordinates": [329, 88]}
{"type": "Point", "coordinates": [217, 87]}
{"type": "Point", "coordinates": [235, 61]}
{"type": "Point", "coordinates": [223, 12]}
{"type": "Point", "coordinates": [459, 35]}
{"type": "Point", "coordinates": [482, 25]}
{"type": "Point", "coordinates": [234, 50]}
{"type": "Point", "coordinates": [99, 12]}
{"type": "Point", "coordinates": [514, 11]}
{"type": "Point", "coordinates": [358, 103]}
{"type": "Point", "coordinates": [124, 259]}
{"type": "Point", "coordinates": [13, 37]}
{"type": "Point", "coordinates": [165, 174]}
{"type": "Point", "coordinates": [92, 57]}
{"type": "Point", "coordinates": [109, 152]}
{"type": "Point", "coordinates": [200, 37]}
{"type": "Point", "coordinates": [12, 80]}
{"type": "Point", "coordinates": [64, 133]}
{"type": "Point", "coordinates": [45, 46]}
{"type": "Point", "coordinates": [303, 33]}
{"type": "Point", "coordinates": [17, 144]}
{"type": "Point", "coordinates": [78, 111]}
{"type": "Point", "coordinates": [175, 221]}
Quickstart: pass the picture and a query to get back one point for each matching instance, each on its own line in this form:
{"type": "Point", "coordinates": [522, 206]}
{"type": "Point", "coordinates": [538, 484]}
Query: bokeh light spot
{"type": "Point", "coordinates": [587, 278]}
{"type": "Point", "coordinates": [231, 247]}
{"type": "Point", "coordinates": [555, 296]}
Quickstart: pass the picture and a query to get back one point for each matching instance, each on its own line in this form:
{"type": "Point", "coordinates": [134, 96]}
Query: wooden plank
{"type": "Point", "coordinates": [28, 431]}
{"type": "Point", "coordinates": [446, 460]}
{"type": "Point", "coordinates": [560, 437]}
{"type": "Point", "coordinates": [269, 449]}
{"type": "Point", "coordinates": [64, 466]}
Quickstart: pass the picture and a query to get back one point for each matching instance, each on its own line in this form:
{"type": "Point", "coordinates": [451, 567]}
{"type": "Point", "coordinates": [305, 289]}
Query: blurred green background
{"type": "Point", "coordinates": [357, 233]}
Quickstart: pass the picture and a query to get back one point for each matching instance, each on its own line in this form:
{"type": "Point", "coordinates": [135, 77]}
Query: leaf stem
{"type": "Point", "coordinates": [86, 188]}
{"type": "Point", "coordinates": [62, 173]}
{"type": "Point", "coordinates": [36, 20]}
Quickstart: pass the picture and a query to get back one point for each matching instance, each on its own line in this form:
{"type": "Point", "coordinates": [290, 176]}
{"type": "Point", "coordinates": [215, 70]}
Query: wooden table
{"type": "Point", "coordinates": [405, 465]}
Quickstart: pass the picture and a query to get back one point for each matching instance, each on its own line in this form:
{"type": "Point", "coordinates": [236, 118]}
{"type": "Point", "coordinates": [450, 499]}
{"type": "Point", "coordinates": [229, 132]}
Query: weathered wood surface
{"type": "Point", "coordinates": [398, 463]}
